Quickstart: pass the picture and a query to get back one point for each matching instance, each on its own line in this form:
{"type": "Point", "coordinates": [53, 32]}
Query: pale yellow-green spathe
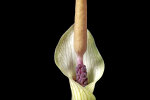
{"type": "Point", "coordinates": [65, 59]}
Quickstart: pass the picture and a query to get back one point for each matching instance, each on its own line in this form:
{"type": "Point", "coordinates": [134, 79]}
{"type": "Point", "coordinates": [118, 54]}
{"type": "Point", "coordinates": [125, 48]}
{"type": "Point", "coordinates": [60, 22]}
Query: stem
{"type": "Point", "coordinates": [80, 60]}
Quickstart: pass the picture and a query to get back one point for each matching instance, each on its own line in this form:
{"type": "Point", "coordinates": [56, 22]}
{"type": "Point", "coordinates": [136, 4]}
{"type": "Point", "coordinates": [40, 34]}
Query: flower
{"type": "Point", "coordinates": [65, 59]}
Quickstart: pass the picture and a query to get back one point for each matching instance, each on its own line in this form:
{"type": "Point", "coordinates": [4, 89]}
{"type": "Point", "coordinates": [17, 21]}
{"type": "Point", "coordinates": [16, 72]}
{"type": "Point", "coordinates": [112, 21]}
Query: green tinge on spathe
{"type": "Point", "coordinates": [65, 59]}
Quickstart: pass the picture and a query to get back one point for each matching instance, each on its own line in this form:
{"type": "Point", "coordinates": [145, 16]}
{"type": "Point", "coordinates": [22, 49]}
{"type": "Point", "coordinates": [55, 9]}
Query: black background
{"type": "Point", "coordinates": [36, 28]}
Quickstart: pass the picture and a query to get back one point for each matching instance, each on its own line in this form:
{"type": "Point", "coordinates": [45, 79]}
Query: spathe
{"type": "Point", "coordinates": [65, 59]}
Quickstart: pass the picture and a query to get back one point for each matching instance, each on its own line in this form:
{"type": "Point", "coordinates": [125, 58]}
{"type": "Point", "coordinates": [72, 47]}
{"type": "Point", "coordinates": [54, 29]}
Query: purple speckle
{"type": "Point", "coordinates": [85, 82]}
{"type": "Point", "coordinates": [83, 69]}
{"type": "Point", "coordinates": [81, 75]}
{"type": "Point", "coordinates": [77, 77]}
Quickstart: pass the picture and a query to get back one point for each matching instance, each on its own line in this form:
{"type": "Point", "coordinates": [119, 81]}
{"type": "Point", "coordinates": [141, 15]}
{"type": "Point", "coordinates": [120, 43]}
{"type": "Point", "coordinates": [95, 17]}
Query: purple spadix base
{"type": "Point", "coordinates": [81, 75]}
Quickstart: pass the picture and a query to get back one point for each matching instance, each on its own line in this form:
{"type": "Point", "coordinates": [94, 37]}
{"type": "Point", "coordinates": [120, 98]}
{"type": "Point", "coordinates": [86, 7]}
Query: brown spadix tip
{"type": "Point", "coordinates": [80, 27]}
